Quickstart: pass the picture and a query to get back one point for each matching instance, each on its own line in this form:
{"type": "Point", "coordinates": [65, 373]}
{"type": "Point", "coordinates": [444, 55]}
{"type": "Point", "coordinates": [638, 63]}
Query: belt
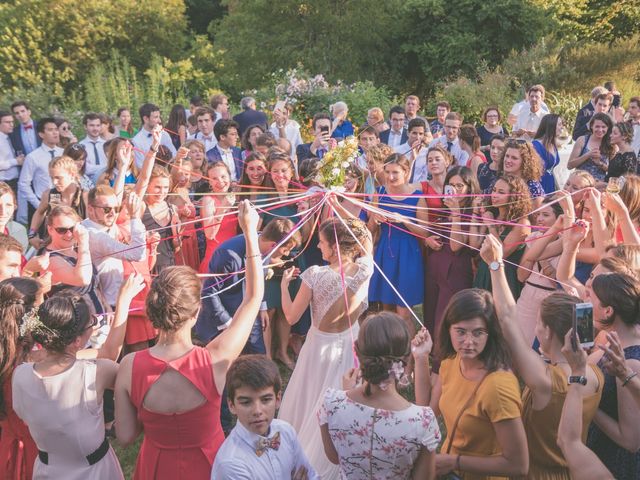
{"type": "Point", "coordinates": [549, 289]}
{"type": "Point", "coordinates": [92, 458]}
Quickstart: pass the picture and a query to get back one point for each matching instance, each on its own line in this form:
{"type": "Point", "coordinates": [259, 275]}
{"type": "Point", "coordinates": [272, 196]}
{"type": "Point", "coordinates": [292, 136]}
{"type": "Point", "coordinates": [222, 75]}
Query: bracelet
{"type": "Point", "coordinates": [154, 150]}
{"type": "Point", "coordinates": [458, 463]}
{"type": "Point", "coordinates": [253, 256]}
{"type": "Point", "coordinates": [628, 378]}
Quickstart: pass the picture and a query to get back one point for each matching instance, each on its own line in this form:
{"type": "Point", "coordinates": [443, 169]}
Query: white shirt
{"type": "Point", "coordinates": [237, 459]}
{"type": "Point", "coordinates": [93, 166]}
{"type": "Point", "coordinates": [34, 176]}
{"type": "Point", "coordinates": [208, 141]}
{"type": "Point", "coordinates": [227, 158]}
{"type": "Point", "coordinates": [528, 120]}
{"type": "Point", "coordinates": [517, 107]}
{"type": "Point", "coordinates": [8, 163]}
{"type": "Point", "coordinates": [419, 171]}
{"type": "Point", "coordinates": [395, 138]}
{"type": "Point", "coordinates": [456, 150]}
{"type": "Point", "coordinates": [107, 253]}
{"type": "Point", "coordinates": [635, 143]}
{"type": "Point", "coordinates": [142, 141]}
{"type": "Point", "coordinates": [291, 133]}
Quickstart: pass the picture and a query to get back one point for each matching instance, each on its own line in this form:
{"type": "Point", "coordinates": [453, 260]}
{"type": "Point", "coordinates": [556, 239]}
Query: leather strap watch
{"type": "Point", "coordinates": [582, 380]}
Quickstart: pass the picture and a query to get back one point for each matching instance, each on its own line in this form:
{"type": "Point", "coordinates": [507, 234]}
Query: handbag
{"type": "Point", "coordinates": [453, 475]}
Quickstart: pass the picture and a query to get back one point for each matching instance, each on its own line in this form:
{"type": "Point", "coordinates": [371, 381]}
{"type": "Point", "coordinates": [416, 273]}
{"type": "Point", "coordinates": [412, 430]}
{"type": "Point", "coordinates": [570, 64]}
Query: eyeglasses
{"type": "Point", "coordinates": [63, 230]}
{"type": "Point", "coordinates": [77, 146]}
{"type": "Point", "coordinates": [477, 334]}
{"type": "Point", "coordinates": [97, 320]}
{"type": "Point", "coordinates": [108, 210]}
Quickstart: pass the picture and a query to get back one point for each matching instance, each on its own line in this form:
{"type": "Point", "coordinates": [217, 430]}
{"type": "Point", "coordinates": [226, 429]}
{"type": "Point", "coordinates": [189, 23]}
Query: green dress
{"type": "Point", "coordinates": [483, 276]}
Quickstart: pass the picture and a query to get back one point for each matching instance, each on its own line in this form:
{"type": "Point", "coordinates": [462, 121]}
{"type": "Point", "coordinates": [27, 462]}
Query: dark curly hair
{"type": "Point", "coordinates": [333, 227]}
{"type": "Point", "coordinates": [383, 340]}
{"type": "Point", "coordinates": [64, 317]}
{"type": "Point", "coordinates": [174, 298]}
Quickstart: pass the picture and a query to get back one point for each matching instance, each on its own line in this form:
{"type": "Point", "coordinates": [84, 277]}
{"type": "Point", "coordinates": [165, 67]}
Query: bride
{"type": "Point", "coordinates": [327, 353]}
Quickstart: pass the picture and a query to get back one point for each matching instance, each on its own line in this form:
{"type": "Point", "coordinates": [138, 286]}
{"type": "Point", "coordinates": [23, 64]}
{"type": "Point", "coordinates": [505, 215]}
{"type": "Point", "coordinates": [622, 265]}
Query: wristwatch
{"type": "Point", "coordinates": [495, 266]}
{"type": "Point", "coordinates": [577, 379]}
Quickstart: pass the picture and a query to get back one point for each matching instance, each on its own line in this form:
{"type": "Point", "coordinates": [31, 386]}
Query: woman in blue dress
{"type": "Point", "coordinates": [593, 151]}
{"type": "Point", "coordinates": [398, 252]}
{"type": "Point", "coordinates": [545, 145]}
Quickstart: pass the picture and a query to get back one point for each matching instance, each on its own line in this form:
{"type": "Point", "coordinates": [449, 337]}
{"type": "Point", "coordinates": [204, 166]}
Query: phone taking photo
{"type": "Point", "coordinates": [582, 326]}
{"type": "Point", "coordinates": [449, 190]}
{"type": "Point", "coordinates": [280, 106]}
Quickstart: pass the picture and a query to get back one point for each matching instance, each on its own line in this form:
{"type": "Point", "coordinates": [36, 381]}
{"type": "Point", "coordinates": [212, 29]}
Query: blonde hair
{"type": "Point", "coordinates": [66, 163]}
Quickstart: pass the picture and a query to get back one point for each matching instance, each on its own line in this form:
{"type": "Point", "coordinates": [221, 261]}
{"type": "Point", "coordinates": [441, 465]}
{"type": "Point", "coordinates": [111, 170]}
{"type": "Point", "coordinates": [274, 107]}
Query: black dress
{"type": "Point", "coordinates": [166, 256]}
{"type": "Point", "coordinates": [622, 164]}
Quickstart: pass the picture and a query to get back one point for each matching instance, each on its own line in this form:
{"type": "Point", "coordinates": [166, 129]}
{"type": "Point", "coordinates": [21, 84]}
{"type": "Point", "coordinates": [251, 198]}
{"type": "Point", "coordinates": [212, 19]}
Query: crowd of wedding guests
{"type": "Point", "coordinates": [153, 272]}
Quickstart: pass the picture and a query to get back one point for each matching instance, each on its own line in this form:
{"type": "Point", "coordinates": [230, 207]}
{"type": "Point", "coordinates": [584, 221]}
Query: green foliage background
{"type": "Point", "coordinates": [70, 56]}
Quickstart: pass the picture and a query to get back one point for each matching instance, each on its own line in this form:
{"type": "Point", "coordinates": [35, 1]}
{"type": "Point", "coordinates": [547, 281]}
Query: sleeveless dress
{"type": "Point", "coordinates": [68, 423]}
{"type": "Point", "coordinates": [189, 254]}
{"type": "Point", "coordinates": [90, 290]}
{"type": "Point", "coordinates": [399, 256]}
{"type": "Point", "coordinates": [623, 464]}
{"type": "Point", "coordinates": [483, 275]}
{"type": "Point", "coordinates": [18, 451]}
{"type": "Point", "coordinates": [325, 357]}
{"type": "Point", "coordinates": [228, 228]}
{"type": "Point", "coordinates": [546, 461]}
{"type": "Point", "coordinates": [549, 162]}
{"type": "Point", "coordinates": [165, 257]}
{"type": "Point", "coordinates": [182, 445]}
{"type": "Point", "coordinates": [589, 166]}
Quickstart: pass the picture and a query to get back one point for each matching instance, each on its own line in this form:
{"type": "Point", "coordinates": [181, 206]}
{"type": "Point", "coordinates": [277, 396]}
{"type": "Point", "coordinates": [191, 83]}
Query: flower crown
{"type": "Point", "coordinates": [31, 322]}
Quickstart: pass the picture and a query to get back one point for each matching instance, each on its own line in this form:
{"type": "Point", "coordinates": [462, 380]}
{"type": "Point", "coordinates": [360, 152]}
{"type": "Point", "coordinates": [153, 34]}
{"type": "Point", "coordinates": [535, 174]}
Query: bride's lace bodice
{"type": "Point", "coordinates": [326, 288]}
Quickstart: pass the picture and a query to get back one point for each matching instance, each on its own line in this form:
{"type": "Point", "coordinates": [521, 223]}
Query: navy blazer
{"type": "Point", "coordinates": [213, 155]}
{"type": "Point", "coordinates": [16, 138]}
{"type": "Point", "coordinates": [303, 151]}
{"type": "Point", "coordinates": [250, 117]}
{"type": "Point", "coordinates": [384, 136]}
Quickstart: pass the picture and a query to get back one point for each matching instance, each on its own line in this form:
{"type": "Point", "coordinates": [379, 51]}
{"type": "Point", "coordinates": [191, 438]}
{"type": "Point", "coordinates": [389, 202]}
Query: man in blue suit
{"type": "Point", "coordinates": [397, 134]}
{"type": "Point", "coordinates": [321, 125]}
{"type": "Point", "coordinates": [250, 116]}
{"type": "Point", "coordinates": [226, 133]}
{"type": "Point", "coordinates": [24, 137]}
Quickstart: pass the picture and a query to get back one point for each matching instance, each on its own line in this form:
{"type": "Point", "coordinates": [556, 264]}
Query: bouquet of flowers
{"type": "Point", "coordinates": [335, 161]}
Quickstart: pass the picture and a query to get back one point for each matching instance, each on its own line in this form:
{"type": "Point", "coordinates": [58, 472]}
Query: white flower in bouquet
{"type": "Point", "coordinates": [335, 171]}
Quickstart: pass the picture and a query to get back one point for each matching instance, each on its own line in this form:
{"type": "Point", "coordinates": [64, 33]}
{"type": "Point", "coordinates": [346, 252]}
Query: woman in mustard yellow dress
{"type": "Point", "coordinates": [475, 392]}
{"type": "Point", "coordinates": [546, 383]}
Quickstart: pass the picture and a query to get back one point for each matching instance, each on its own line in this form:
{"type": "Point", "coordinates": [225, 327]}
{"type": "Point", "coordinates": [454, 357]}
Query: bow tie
{"type": "Point", "coordinates": [265, 443]}
{"type": "Point", "coordinates": [28, 127]}
{"type": "Point", "coordinates": [225, 152]}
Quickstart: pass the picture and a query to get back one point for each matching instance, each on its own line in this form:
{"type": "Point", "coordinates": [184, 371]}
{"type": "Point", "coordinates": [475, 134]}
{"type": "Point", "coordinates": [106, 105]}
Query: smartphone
{"type": "Point", "coordinates": [449, 190]}
{"type": "Point", "coordinates": [324, 129]}
{"type": "Point", "coordinates": [280, 105]}
{"type": "Point", "coordinates": [582, 325]}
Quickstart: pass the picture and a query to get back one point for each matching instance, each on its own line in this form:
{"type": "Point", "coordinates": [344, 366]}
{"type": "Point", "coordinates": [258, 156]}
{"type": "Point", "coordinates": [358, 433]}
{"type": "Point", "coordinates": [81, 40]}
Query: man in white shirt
{"type": "Point", "coordinates": [397, 134]}
{"type": "Point", "coordinates": [9, 163]}
{"type": "Point", "coordinates": [205, 118]}
{"type": "Point", "coordinates": [517, 108]}
{"type": "Point", "coordinates": [93, 143]}
{"type": "Point", "coordinates": [415, 150]}
{"type": "Point", "coordinates": [34, 177]}
{"type": "Point", "coordinates": [226, 132]}
{"type": "Point", "coordinates": [107, 253]}
{"type": "Point", "coordinates": [259, 447]}
{"type": "Point", "coordinates": [634, 115]}
{"type": "Point", "coordinates": [411, 109]}
{"type": "Point", "coordinates": [368, 137]}
{"type": "Point", "coordinates": [150, 116]}
{"type": "Point", "coordinates": [529, 118]}
{"type": "Point", "coordinates": [285, 127]}
{"type": "Point", "coordinates": [450, 140]}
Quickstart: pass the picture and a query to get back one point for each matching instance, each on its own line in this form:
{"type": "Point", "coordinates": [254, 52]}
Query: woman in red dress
{"type": "Point", "coordinates": [171, 392]}
{"type": "Point", "coordinates": [179, 197]}
{"type": "Point", "coordinates": [219, 225]}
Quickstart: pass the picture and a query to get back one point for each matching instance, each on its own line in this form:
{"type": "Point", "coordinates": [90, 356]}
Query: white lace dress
{"type": "Point", "coordinates": [325, 357]}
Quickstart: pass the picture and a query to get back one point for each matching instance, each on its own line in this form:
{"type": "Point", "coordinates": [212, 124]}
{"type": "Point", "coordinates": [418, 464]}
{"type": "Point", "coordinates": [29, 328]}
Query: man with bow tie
{"type": "Point", "coordinates": [259, 447]}
{"type": "Point", "coordinates": [24, 137]}
{"type": "Point", "coordinates": [150, 116]}
{"type": "Point", "coordinates": [205, 117]}
{"type": "Point", "coordinates": [226, 132]}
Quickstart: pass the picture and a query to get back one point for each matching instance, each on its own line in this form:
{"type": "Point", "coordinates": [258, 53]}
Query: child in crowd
{"type": "Point", "coordinates": [259, 447]}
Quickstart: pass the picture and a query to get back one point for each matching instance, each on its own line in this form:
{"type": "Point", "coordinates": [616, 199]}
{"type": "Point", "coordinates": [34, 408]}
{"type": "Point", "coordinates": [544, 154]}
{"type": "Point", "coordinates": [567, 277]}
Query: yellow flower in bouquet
{"type": "Point", "coordinates": [336, 160]}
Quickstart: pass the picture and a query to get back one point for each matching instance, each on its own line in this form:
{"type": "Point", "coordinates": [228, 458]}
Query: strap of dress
{"type": "Point", "coordinates": [197, 367]}
{"type": "Point", "coordinates": [144, 372]}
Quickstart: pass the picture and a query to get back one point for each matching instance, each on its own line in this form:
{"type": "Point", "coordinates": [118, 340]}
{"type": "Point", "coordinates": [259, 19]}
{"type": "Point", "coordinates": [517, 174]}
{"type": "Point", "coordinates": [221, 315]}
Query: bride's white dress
{"type": "Point", "coordinates": [325, 357]}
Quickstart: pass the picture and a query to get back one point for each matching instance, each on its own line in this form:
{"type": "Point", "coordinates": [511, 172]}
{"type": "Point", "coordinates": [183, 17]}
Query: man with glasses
{"type": "Point", "coordinates": [397, 134]}
{"type": "Point", "coordinates": [450, 140]}
{"type": "Point", "coordinates": [107, 253]}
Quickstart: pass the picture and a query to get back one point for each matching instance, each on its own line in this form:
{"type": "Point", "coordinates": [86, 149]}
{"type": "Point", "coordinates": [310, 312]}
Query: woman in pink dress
{"type": "Point", "coordinates": [171, 392]}
{"type": "Point", "coordinates": [218, 223]}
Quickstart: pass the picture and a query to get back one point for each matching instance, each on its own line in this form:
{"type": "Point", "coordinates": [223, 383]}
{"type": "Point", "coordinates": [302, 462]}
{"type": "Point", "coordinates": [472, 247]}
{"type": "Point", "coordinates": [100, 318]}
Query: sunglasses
{"type": "Point", "coordinates": [77, 146]}
{"type": "Point", "coordinates": [515, 141]}
{"type": "Point", "coordinates": [98, 320]}
{"type": "Point", "coordinates": [63, 230]}
{"type": "Point", "coordinates": [108, 210]}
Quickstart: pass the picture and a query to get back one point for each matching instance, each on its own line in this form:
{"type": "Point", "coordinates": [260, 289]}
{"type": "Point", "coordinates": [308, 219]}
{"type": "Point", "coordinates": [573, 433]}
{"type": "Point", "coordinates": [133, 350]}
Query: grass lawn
{"type": "Point", "coordinates": [127, 455]}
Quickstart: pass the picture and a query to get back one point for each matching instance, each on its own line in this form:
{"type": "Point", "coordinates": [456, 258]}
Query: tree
{"type": "Point", "coordinates": [56, 43]}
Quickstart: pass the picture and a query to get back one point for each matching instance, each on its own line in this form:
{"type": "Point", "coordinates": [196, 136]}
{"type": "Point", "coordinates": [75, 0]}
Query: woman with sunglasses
{"type": "Point", "coordinates": [66, 191]}
{"type": "Point", "coordinates": [66, 135]}
{"type": "Point", "coordinates": [78, 153]}
{"type": "Point", "coordinates": [69, 256]}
